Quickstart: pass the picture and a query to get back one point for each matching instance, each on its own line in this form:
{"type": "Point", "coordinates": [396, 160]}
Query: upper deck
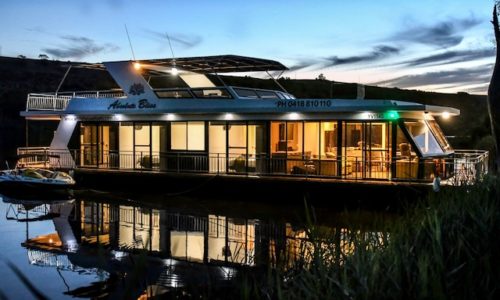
{"type": "Point", "coordinates": [190, 91]}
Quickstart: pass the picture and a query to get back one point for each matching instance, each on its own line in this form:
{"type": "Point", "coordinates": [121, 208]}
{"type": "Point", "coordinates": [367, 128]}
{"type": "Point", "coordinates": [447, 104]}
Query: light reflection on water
{"type": "Point", "coordinates": [95, 245]}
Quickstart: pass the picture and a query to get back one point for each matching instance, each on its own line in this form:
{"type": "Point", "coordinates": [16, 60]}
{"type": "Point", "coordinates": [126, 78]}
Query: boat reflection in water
{"type": "Point", "coordinates": [153, 249]}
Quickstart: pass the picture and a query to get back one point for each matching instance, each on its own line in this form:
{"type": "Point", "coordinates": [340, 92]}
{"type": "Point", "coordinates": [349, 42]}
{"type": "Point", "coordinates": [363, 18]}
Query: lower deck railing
{"type": "Point", "coordinates": [464, 166]}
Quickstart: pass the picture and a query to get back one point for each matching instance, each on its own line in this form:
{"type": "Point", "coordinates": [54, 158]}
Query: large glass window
{"type": "Point", "coordinates": [196, 136]}
{"type": "Point", "coordinates": [217, 146]}
{"type": "Point", "coordinates": [211, 93]}
{"type": "Point", "coordinates": [278, 139]}
{"type": "Point", "coordinates": [99, 145]}
{"type": "Point", "coordinates": [89, 144]}
{"type": "Point", "coordinates": [142, 139]}
{"type": "Point", "coordinates": [423, 137]}
{"type": "Point", "coordinates": [178, 136]}
{"type": "Point", "coordinates": [286, 138]}
{"type": "Point", "coordinates": [377, 149]}
{"type": "Point", "coordinates": [126, 145]}
{"type": "Point", "coordinates": [294, 133]}
{"type": "Point", "coordinates": [329, 132]}
{"type": "Point", "coordinates": [353, 142]}
{"type": "Point", "coordinates": [237, 147]}
{"type": "Point", "coordinates": [256, 146]}
{"type": "Point", "coordinates": [311, 140]}
{"type": "Point", "coordinates": [438, 133]}
{"type": "Point", "coordinates": [187, 136]}
{"type": "Point", "coordinates": [406, 157]}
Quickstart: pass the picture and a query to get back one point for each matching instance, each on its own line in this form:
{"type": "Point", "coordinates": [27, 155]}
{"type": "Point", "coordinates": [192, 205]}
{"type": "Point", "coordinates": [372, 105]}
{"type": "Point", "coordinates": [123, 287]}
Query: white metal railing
{"type": "Point", "coordinates": [46, 102]}
{"type": "Point", "coordinates": [45, 157]}
{"type": "Point", "coordinates": [50, 259]}
{"type": "Point", "coordinates": [114, 93]}
{"type": "Point", "coordinates": [463, 167]}
{"type": "Point", "coordinates": [59, 101]}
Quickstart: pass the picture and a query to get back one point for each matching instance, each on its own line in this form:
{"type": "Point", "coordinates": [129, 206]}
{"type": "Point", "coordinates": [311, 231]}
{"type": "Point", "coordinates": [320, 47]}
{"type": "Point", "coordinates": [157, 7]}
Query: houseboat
{"type": "Point", "coordinates": [193, 122]}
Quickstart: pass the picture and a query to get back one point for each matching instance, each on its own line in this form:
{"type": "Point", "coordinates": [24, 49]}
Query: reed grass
{"type": "Point", "coordinates": [445, 247]}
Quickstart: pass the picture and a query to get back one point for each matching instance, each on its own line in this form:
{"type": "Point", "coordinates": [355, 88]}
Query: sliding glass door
{"type": "Point", "coordinates": [89, 145]}
{"type": "Point", "coordinates": [98, 145]}
{"type": "Point", "coordinates": [237, 147]}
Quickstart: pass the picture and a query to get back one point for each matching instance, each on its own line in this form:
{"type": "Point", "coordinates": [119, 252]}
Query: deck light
{"type": "Point", "coordinates": [391, 115]}
{"type": "Point", "coordinates": [445, 115]}
{"type": "Point", "coordinates": [228, 116]}
{"type": "Point", "coordinates": [293, 116]}
{"type": "Point", "coordinates": [70, 118]}
{"type": "Point", "coordinates": [137, 66]}
{"type": "Point", "coordinates": [170, 117]}
{"type": "Point", "coordinates": [174, 71]}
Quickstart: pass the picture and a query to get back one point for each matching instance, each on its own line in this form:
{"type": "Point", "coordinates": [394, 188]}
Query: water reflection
{"type": "Point", "coordinates": [138, 248]}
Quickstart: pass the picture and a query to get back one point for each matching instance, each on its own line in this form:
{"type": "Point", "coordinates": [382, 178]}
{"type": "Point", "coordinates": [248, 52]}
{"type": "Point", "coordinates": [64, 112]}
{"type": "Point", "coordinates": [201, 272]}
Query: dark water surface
{"type": "Point", "coordinates": [95, 243]}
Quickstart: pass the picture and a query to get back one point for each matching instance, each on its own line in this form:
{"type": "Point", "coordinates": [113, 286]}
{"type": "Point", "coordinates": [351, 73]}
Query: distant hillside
{"type": "Point", "coordinates": [19, 76]}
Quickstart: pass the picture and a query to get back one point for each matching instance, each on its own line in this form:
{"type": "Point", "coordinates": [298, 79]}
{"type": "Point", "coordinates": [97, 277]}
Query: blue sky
{"type": "Point", "coordinates": [438, 45]}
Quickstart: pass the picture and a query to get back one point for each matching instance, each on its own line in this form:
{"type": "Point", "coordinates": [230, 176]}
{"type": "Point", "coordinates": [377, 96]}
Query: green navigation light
{"type": "Point", "coordinates": [392, 115]}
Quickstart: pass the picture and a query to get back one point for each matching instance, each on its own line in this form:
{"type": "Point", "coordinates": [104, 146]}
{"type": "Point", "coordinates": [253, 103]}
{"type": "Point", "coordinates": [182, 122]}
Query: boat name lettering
{"type": "Point", "coordinates": [303, 103]}
{"type": "Point", "coordinates": [143, 103]}
{"type": "Point", "coordinates": [121, 105]}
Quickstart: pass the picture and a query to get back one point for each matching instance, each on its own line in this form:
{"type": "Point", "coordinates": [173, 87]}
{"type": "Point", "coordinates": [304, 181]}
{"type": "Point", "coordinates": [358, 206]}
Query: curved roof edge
{"type": "Point", "coordinates": [206, 64]}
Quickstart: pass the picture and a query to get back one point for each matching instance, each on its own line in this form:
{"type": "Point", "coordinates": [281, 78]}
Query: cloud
{"type": "Point", "coordinates": [450, 57]}
{"type": "Point", "coordinates": [480, 89]}
{"type": "Point", "coordinates": [456, 78]}
{"type": "Point", "coordinates": [36, 29]}
{"type": "Point", "coordinates": [303, 64]}
{"type": "Point", "coordinates": [378, 53]}
{"type": "Point", "coordinates": [442, 35]}
{"type": "Point", "coordinates": [184, 40]}
{"type": "Point", "coordinates": [77, 47]}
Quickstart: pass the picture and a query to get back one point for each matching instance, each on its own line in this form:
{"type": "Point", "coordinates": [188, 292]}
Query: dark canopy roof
{"type": "Point", "coordinates": [211, 64]}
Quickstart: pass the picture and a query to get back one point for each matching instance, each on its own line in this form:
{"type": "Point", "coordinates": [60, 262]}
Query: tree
{"type": "Point", "coordinates": [494, 92]}
{"type": "Point", "coordinates": [43, 56]}
{"type": "Point", "coordinates": [321, 77]}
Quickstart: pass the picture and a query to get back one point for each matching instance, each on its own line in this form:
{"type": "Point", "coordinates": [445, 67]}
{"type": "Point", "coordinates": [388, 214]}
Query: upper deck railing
{"type": "Point", "coordinates": [59, 101]}
{"type": "Point", "coordinates": [46, 102]}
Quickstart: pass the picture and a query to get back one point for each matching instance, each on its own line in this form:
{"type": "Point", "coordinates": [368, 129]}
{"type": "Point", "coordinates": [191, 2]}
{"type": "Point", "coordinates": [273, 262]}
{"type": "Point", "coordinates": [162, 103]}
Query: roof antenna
{"type": "Point", "coordinates": [130, 43]}
{"type": "Point", "coordinates": [174, 69]}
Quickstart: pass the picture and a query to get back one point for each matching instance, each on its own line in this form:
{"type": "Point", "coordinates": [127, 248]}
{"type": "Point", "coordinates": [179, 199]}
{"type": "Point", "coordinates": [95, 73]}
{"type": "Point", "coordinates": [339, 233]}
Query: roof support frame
{"type": "Point", "coordinates": [276, 81]}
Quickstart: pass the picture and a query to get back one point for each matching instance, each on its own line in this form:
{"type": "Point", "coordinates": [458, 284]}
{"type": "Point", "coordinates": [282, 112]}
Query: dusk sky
{"type": "Point", "coordinates": [439, 45]}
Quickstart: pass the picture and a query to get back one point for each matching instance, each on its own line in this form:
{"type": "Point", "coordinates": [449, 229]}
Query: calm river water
{"type": "Point", "coordinates": [95, 243]}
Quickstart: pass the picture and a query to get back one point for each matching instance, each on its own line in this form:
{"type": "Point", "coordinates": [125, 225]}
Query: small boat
{"type": "Point", "coordinates": [31, 209]}
{"type": "Point", "coordinates": [36, 178]}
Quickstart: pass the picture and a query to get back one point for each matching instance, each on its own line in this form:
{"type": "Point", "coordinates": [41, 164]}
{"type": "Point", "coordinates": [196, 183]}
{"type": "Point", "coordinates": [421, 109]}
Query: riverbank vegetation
{"type": "Point", "coordinates": [445, 247]}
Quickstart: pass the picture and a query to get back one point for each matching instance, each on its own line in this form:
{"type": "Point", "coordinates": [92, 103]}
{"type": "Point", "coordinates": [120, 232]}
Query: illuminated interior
{"type": "Point", "coordinates": [347, 149]}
